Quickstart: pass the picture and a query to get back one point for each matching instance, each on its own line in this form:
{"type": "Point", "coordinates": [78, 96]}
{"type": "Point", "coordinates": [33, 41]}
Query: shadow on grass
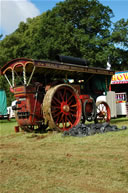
{"type": "Point", "coordinates": [7, 121]}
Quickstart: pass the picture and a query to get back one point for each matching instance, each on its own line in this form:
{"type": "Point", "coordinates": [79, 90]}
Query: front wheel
{"type": "Point", "coordinates": [103, 112]}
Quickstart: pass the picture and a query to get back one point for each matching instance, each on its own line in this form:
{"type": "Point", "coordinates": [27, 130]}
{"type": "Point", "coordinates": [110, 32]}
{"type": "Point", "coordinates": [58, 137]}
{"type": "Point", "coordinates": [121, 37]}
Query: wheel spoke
{"type": "Point", "coordinates": [54, 98]}
{"type": "Point", "coordinates": [53, 101]}
{"type": "Point", "coordinates": [103, 107]}
{"type": "Point", "coordinates": [56, 107]}
{"type": "Point", "coordinates": [98, 108]}
{"type": "Point", "coordinates": [71, 118]}
{"type": "Point", "coordinates": [73, 110]}
{"type": "Point", "coordinates": [61, 117]}
{"type": "Point", "coordinates": [57, 121]}
{"type": "Point", "coordinates": [62, 120]}
{"type": "Point", "coordinates": [63, 124]}
{"type": "Point", "coordinates": [56, 114]}
{"type": "Point", "coordinates": [69, 121]}
{"type": "Point", "coordinates": [75, 105]}
{"type": "Point", "coordinates": [74, 115]}
{"type": "Point", "coordinates": [66, 121]}
{"type": "Point", "coordinates": [69, 98]}
{"type": "Point", "coordinates": [64, 92]}
{"type": "Point", "coordinates": [54, 111]}
{"type": "Point", "coordinates": [65, 118]}
{"type": "Point", "coordinates": [69, 103]}
{"type": "Point", "coordinates": [60, 94]}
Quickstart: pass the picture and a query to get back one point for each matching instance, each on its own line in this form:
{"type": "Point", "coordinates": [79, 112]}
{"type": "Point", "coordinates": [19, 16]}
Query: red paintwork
{"type": "Point", "coordinates": [86, 98]}
{"type": "Point", "coordinates": [66, 107]}
{"type": "Point", "coordinates": [89, 104]}
{"type": "Point", "coordinates": [25, 113]}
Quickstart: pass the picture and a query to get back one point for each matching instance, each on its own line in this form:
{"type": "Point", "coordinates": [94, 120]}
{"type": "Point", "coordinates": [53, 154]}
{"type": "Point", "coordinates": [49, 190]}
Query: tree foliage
{"type": "Point", "coordinates": [119, 39]}
{"type": "Point", "coordinates": [79, 28]}
{"type": "Point", "coordinates": [5, 86]}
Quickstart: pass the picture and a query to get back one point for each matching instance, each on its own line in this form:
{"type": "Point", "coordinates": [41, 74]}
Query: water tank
{"type": "Point", "coordinates": [111, 100]}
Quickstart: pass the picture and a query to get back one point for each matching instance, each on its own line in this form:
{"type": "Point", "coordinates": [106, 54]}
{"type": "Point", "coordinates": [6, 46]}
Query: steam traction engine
{"type": "Point", "coordinates": [57, 94]}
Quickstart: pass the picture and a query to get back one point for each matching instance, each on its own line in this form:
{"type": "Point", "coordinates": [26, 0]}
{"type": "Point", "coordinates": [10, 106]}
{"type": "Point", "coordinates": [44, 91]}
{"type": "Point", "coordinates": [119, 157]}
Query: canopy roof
{"type": "Point", "coordinates": [51, 67]}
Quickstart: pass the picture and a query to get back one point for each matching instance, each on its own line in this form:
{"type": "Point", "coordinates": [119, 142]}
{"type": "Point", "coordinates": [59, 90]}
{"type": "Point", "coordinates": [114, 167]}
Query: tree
{"type": "Point", "coordinates": [120, 33]}
{"type": "Point", "coordinates": [119, 52]}
{"type": "Point", "coordinates": [1, 35]}
{"type": "Point", "coordinates": [80, 28]}
{"type": "Point", "coordinates": [5, 86]}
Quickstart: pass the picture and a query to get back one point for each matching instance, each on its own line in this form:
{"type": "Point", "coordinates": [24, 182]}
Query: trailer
{"type": "Point", "coordinates": [3, 105]}
{"type": "Point", "coordinates": [59, 94]}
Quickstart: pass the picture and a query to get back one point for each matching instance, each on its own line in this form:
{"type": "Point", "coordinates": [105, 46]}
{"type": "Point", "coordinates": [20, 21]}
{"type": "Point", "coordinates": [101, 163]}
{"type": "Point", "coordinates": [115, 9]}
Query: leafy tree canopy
{"type": "Point", "coordinates": [80, 28]}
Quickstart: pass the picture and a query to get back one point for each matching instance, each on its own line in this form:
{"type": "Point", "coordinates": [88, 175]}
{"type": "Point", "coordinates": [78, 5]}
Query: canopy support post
{"type": "Point", "coordinates": [8, 80]}
{"type": "Point", "coordinates": [24, 75]}
{"type": "Point", "coordinates": [31, 75]}
{"type": "Point", "coordinates": [13, 78]}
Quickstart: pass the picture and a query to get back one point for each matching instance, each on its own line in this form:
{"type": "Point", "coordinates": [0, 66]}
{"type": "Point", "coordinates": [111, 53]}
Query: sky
{"type": "Point", "coordinates": [12, 12]}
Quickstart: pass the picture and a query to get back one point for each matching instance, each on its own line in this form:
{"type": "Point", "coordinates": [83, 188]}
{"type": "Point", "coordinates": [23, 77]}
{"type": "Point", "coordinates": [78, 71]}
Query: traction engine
{"type": "Point", "coordinates": [57, 105]}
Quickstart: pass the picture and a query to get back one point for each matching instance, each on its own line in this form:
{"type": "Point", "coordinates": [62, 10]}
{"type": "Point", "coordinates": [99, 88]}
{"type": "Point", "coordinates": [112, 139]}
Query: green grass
{"type": "Point", "coordinates": [120, 121]}
{"type": "Point", "coordinates": [7, 127]}
{"type": "Point", "coordinates": [50, 163]}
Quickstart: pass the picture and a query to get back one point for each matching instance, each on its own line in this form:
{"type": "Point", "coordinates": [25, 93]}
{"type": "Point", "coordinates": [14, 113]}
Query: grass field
{"type": "Point", "coordinates": [50, 163]}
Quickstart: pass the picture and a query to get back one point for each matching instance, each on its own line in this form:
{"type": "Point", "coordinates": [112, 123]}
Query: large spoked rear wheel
{"type": "Point", "coordinates": [103, 112]}
{"type": "Point", "coordinates": [62, 107]}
